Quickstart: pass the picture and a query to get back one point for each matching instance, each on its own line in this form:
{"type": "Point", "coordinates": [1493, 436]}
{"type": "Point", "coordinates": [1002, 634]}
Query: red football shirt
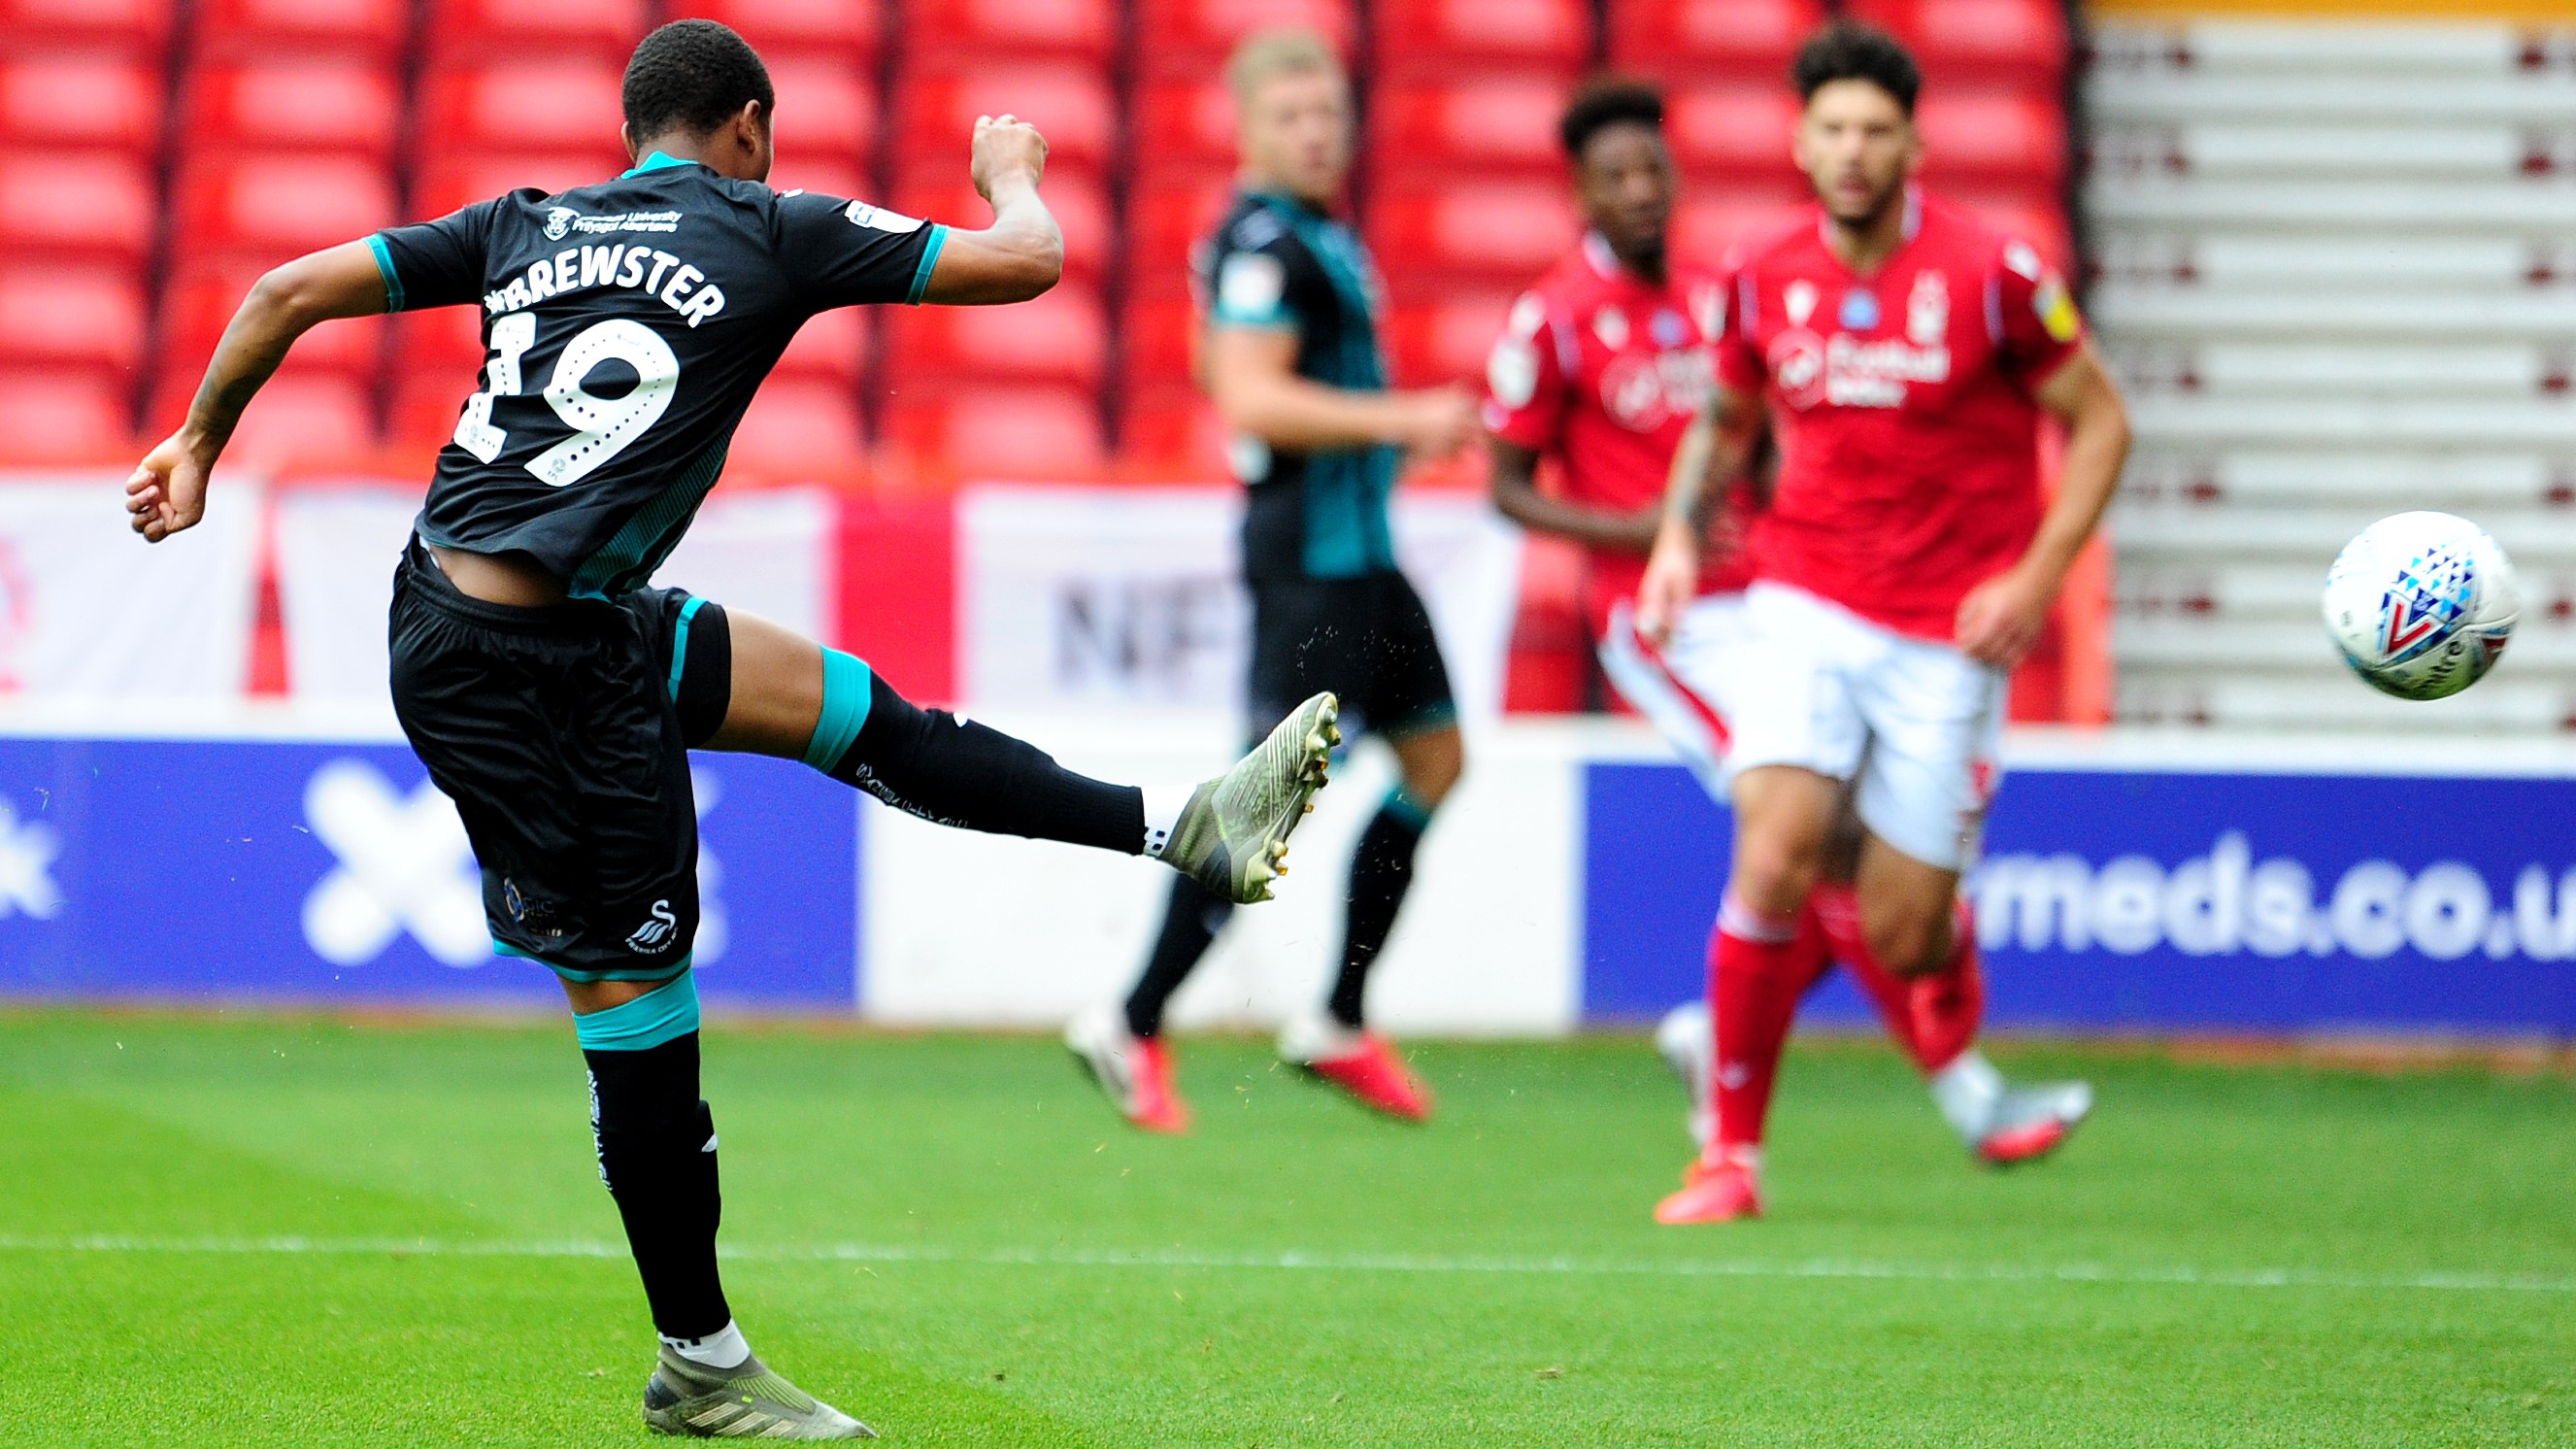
{"type": "Point", "coordinates": [1604, 370]}
{"type": "Point", "coordinates": [1901, 402]}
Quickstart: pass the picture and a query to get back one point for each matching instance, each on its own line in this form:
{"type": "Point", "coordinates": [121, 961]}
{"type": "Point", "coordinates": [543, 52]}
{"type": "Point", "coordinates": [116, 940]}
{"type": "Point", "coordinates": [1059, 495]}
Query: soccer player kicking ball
{"type": "Point", "coordinates": [555, 696]}
{"type": "Point", "coordinates": [1902, 352]}
{"type": "Point", "coordinates": [1602, 365]}
{"type": "Point", "coordinates": [1290, 354]}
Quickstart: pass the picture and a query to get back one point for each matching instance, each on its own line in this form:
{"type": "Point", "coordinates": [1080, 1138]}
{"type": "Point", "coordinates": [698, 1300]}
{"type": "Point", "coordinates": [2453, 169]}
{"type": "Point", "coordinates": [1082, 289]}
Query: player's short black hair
{"type": "Point", "coordinates": [1845, 50]}
{"type": "Point", "coordinates": [1607, 101]}
{"type": "Point", "coordinates": [692, 75]}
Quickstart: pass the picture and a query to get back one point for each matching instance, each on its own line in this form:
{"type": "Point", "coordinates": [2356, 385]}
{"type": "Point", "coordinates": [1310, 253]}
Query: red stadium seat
{"type": "Point", "coordinates": [1172, 426]}
{"type": "Point", "coordinates": [129, 29]}
{"type": "Point", "coordinates": [55, 204]}
{"type": "Point", "coordinates": [55, 416]}
{"type": "Point", "coordinates": [301, 105]}
{"type": "Point", "coordinates": [563, 106]}
{"type": "Point", "coordinates": [831, 346]}
{"type": "Point", "coordinates": [1709, 226]}
{"type": "Point", "coordinates": [1498, 232]}
{"type": "Point", "coordinates": [88, 318]}
{"type": "Point", "coordinates": [453, 181]}
{"type": "Point", "coordinates": [825, 109]}
{"type": "Point", "coordinates": [473, 31]}
{"type": "Point", "coordinates": [1693, 41]}
{"type": "Point", "coordinates": [1164, 225]}
{"type": "Point", "coordinates": [1193, 37]}
{"type": "Point", "coordinates": [1447, 340]}
{"type": "Point", "coordinates": [1992, 134]}
{"type": "Point", "coordinates": [1071, 104]}
{"type": "Point", "coordinates": [274, 205]}
{"type": "Point", "coordinates": [1156, 338]}
{"type": "Point", "coordinates": [1501, 124]}
{"type": "Point", "coordinates": [798, 427]}
{"type": "Point", "coordinates": [1734, 133]}
{"type": "Point", "coordinates": [440, 342]}
{"type": "Point", "coordinates": [81, 101]}
{"type": "Point", "coordinates": [1430, 37]}
{"type": "Point", "coordinates": [844, 30]}
{"type": "Point", "coordinates": [371, 30]}
{"type": "Point", "coordinates": [999, 432]}
{"type": "Point", "coordinates": [1081, 209]}
{"type": "Point", "coordinates": [1184, 125]}
{"type": "Point", "coordinates": [1083, 30]}
{"type": "Point", "coordinates": [1979, 42]}
{"type": "Point", "coordinates": [829, 177]}
{"type": "Point", "coordinates": [199, 302]}
{"type": "Point", "coordinates": [301, 417]}
{"type": "Point", "coordinates": [1060, 337]}
{"type": "Point", "coordinates": [426, 406]}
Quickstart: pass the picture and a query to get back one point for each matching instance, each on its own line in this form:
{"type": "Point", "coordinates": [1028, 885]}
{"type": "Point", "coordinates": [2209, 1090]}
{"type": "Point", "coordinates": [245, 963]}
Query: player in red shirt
{"type": "Point", "coordinates": [1601, 366]}
{"type": "Point", "coordinates": [1901, 352]}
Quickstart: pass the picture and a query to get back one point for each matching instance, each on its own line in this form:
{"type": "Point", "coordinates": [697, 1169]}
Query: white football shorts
{"type": "Point", "coordinates": [1778, 676]}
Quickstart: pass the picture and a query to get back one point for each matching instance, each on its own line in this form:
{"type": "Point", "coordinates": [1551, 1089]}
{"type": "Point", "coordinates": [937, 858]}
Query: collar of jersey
{"type": "Point", "coordinates": [1295, 204]}
{"type": "Point", "coordinates": [656, 162]}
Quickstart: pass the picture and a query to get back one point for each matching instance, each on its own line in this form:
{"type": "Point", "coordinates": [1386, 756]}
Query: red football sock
{"type": "Point", "coordinates": [1758, 966]}
{"type": "Point", "coordinates": [1933, 1017]}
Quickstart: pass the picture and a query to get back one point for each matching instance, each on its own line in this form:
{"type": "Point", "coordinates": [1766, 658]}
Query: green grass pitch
{"type": "Point", "coordinates": [294, 1230]}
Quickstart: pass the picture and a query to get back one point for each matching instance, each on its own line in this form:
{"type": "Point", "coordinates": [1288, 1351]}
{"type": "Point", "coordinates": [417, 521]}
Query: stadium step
{"type": "Point", "coordinates": [2333, 266]}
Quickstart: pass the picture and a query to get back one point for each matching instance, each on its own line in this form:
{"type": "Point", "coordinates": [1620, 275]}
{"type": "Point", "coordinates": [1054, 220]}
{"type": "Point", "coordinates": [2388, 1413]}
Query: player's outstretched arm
{"type": "Point", "coordinates": [1515, 484]}
{"type": "Point", "coordinates": [2001, 618]}
{"type": "Point", "coordinates": [167, 492]}
{"type": "Point", "coordinates": [1022, 253]}
{"type": "Point", "coordinates": [1713, 452]}
{"type": "Point", "coordinates": [1252, 376]}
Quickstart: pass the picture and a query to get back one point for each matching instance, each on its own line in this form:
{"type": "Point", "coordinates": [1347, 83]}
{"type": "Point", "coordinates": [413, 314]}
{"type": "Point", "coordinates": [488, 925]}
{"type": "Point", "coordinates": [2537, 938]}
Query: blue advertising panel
{"type": "Point", "coordinates": [2174, 900]}
{"type": "Point", "coordinates": [335, 872]}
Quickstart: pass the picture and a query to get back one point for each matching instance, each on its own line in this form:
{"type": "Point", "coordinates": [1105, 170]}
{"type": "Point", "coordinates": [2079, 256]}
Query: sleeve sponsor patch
{"type": "Point", "coordinates": [1512, 372]}
{"type": "Point", "coordinates": [2056, 309]}
{"type": "Point", "coordinates": [1250, 286]}
{"type": "Point", "coordinates": [877, 218]}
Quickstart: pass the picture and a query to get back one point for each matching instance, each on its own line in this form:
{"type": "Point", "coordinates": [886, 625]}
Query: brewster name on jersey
{"type": "Point", "coordinates": [576, 269]}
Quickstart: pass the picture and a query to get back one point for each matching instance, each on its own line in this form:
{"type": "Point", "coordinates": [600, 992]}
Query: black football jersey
{"type": "Point", "coordinates": [1278, 264]}
{"type": "Point", "coordinates": [626, 326]}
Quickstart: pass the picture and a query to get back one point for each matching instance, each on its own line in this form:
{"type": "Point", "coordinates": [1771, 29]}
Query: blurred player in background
{"type": "Point", "coordinates": [1902, 352]}
{"type": "Point", "coordinates": [1602, 366]}
{"type": "Point", "coordinates": [1289, 352]}
{"type": "Point", "coordinates": [554, 695]}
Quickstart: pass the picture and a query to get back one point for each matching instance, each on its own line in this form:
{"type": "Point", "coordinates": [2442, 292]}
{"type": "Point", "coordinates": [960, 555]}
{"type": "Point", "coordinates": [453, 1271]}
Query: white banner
{"type": "Point", "coordinates": [1074, 599]}
{"type": "Point", "coordinates": [764, 551]}
{"type": "Point", "coordinates": [89, 611]}
{"type": "Point", "coordinates": [1489, 942]}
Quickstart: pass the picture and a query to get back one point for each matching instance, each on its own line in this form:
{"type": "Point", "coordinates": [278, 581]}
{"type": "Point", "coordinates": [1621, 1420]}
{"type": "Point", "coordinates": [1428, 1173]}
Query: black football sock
{"type": "Point", "coordinates": [657, 1153]}
{"type": "Point", "coordinates": [1191, 920]}
{"type": "Point", "coordinates": [954, 771]}
{"type": "Point", "coordinates": [1381, 872]}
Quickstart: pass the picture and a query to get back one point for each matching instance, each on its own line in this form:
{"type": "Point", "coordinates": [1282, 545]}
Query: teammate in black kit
{"type": "Point", "coordinates": [1290, 301]}
{"type": "Point", "coordinates": [554, 696]}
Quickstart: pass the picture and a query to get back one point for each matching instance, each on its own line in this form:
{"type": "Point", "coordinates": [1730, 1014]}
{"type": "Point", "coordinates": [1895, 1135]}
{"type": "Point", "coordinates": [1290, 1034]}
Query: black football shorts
{"type": "Point", "coordinates": [562, 734]}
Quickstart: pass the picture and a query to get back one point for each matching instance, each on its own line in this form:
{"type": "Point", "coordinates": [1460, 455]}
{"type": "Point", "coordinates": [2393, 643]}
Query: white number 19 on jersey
{"type": "Point", "coordinates": [602, 427]}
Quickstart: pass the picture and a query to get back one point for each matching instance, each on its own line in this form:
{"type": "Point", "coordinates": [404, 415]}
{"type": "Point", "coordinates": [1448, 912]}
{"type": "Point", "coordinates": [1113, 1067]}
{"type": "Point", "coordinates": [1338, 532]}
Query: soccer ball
{"type": "Point", "coordinates": [2421, 604]}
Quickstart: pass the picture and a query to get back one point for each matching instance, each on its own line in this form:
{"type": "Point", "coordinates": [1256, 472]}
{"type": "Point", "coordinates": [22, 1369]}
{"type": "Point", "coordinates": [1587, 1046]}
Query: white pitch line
{"type": "Point", "coordinates": [1822, 1268]}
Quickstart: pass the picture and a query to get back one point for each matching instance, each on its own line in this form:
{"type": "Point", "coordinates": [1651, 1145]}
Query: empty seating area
{"type": "Point", "coordinates": [156, 157]}
{"type": "Point", "coordinates": [2333, 268]}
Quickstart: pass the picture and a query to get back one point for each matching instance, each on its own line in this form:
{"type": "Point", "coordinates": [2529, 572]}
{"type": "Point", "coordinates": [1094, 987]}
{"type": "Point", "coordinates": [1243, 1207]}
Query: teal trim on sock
{"type": "Point", "coordinates": [646, 973]}
{"type": "Point", "coordinates": [385, 265]}
{"type": "Point", "coordinates": [663, 1014]}
{"type": "Point", "coordinates": [848, 690]}
{"type": "Point", "coordinates": [655, 162]}
{"type": "Point", "coordinates": [929, 258]}
{"type": "Point", "coordinates": [1406, 806]}
{"type": "Point", "coordinates": [680, 642]}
